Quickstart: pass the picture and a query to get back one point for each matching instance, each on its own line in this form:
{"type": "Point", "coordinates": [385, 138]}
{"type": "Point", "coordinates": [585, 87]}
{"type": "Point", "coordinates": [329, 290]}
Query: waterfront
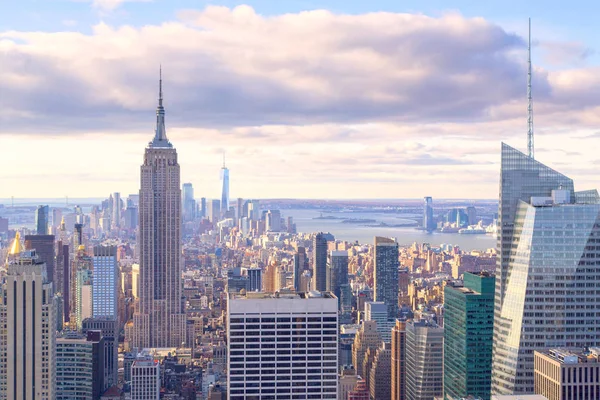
{"type": "Point", "coordinates": [305, 222]}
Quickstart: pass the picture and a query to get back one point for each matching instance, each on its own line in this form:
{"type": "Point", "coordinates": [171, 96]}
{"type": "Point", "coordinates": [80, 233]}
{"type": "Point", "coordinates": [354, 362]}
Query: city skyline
{"type": "Point", "coordinates": [295, 134]}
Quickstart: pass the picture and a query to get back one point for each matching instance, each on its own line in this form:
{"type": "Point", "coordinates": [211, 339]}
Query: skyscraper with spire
{"type": "Point", "coordinates": [159, 320]}
{"type": "Point", "coordinates": [224, 188]}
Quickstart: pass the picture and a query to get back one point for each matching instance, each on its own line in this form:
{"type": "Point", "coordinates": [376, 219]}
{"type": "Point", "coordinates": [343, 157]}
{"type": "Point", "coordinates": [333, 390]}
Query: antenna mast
{"type": "Point", "coordinates": [530, 149]}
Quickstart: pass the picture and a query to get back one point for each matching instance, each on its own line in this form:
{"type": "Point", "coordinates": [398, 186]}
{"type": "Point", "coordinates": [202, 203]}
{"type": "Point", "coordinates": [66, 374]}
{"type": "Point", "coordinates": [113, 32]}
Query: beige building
{"type": "Point", "coordinates": [564, 374]}
{"type": "Point", "coordinates": [347, 381]}
{"type": "Point", "coordinates": [380, 379]}
{"type": "Point", "coordinates": [366, 338]}
{"type": "Point", "coordinates": [28, 343]}
{"type": "Point", "coordinates": [399, 361]}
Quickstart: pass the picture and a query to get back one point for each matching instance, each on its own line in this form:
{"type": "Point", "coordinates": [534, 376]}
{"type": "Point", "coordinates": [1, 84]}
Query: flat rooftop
{"type": "Point", "coordinates": [281, 295]}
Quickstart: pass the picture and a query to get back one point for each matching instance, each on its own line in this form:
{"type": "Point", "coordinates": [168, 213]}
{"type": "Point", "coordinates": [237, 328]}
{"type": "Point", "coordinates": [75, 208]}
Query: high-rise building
{"type": "Point", "coordinates": [28, 334]}
{"type": "Point", "coordinates": [300, 266]}
{"type": "Point", "coordinates": [546, 259]}
{"type": "Point", "coordinates": [424, 360]}
{"type": "Point", "coordinates": [62, 277]}
{"type": "Point", "coordinates": [44, 248]}
{"type": "Point", "coordinates": [271, 281]}
{"type": "Point", "coordinates": [224, 187]}
{"type": "Point", "coordinates": [386, 274]}
{"type": "Point", "coordinates": [160, 321]}
{"type": "Point", "coordinates": [116, 210]}
{"type": "Point", "coordinates": [428, 222]}
{"type": "Point", "coordinates": [347, 381]}
{"type": "Point", "coordinates": [109, 329]}
{"type": "Point", "coordinates": [145, 379]}
{"type": "Point", "coordinates": [41, 220]}
{"type": "Point", "coordinates": [381, 372]}
{"type": "Point", "coordinates": [273, 221]}
{"type": "Point", "coordinates": [203, 213]}
{"type": "Point", "coordinates": [398, 360]}
{"type": "Point", "coordinates": [189, 204]}
{"type": "Point", "coordinates": [468, 334]}
{"type": "Point", "coordinates": [135, 280]}
{"type": "Point", "coordinates": [360, 391]}
{"type": "Point", "coordinates": [472, 215]}
{"type": "Point", "coordinates": [320, 261]}
{"type": "Point", "coordinates": [79, 363]}
{"type": "Point", "coordinates": [214, 211]}
{"type": "Point", "coordinates": [268, 324]}
{"type": "Point", "coordinates": [562, 374]}
{"type": "Point", "coordinates": [367, 338]}
{"type": "Point", "coordinates": [80, 288]}
{"type": "Point", "coordinates": [378, 311]}
{"type": "Point", "coordinates": [337, 272]}
{"type": "Point", "coordinates": [105, 282]}
{"type": "Point", "coordinates": [255, 279]}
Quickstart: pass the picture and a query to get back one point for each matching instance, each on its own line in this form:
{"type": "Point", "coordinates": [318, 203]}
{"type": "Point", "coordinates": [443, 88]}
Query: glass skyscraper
{"type": "Point", "coordinates": [225, 188]}
{"type": "Point", "coordinates": [428, 223]}
{"type": "Point", "coordinates": [320, 261]}
{"type": "Point", "coordinates": [468, 331]}
{"type": "Point", "coordinates": [386, 274]}
{"type": "Point", "coordinates": [41, 220]}
{"type": "Point", "coordinates": [547, 273]}
{"type": "Point", "coordinates": [105, 282]}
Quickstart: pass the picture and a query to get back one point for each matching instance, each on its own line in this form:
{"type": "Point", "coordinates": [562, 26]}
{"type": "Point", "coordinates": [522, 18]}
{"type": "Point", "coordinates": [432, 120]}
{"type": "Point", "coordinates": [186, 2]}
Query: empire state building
{"type": "Point", "coordinates": [160, 319]}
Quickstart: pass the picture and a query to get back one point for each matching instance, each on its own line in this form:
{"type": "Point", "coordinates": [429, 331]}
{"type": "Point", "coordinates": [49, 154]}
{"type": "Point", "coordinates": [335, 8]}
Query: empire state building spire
{"type": "Point", "coordinates": [160, 136]}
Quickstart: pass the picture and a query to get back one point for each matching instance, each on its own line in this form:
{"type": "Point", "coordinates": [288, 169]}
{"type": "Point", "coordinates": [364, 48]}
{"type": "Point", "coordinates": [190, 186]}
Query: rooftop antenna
{"type": "Point", "coordinates": [530, 149]}
{"type": "Point", "coordinates": [223, 159]}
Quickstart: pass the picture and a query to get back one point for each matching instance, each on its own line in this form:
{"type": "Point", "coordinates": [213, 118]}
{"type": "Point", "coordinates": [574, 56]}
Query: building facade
{"type": "Point", "coordinates": [337, 272]}
{"type": "Point", "coordinates": [424, 360]}
{"type": "Point", "coordinates": [547, 262]}
{"type": "Point", "coordinates": [381, 373]}
{"type": "Point", "coordinates": [398, 360]}
{"type": "Point", "coordinates": [28, 339]}
{"type": "Point", "coordinates": [320, 261]}
{"type": "Point", "coordinates": [468, 334]}
{"type": "Point", "coordinates": [296, 336]}
{"type": "Point", "coordinates": [386, 274]}
{"type": "Point", "coordinates": [145, 380]}
{"type": "Point", "coordinates": [160, 321]}
{"type": "Point", "coordinates": [105, 283]}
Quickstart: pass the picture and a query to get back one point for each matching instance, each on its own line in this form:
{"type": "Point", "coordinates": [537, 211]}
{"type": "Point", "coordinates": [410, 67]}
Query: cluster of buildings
{"type": "Point", "coordinates": [161, 296]}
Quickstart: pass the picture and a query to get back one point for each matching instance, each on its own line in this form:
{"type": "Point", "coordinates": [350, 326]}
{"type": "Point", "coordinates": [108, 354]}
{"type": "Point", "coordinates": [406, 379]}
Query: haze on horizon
{"type": "Point", "coordinates": [346, 101]}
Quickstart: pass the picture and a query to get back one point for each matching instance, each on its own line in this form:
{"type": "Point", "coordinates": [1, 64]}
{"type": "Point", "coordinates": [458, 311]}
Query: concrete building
{"type": "Point", "coordinates": [468, 335]}
{"type": "Point", "coordinates": [398, 360]}
{"type": "Point", "coordinates": [299, 331]}
{"type": "Point", "coordinates": [347, 381]}
{"type": "Point", "coordinates": [105, 282]}
{"type": "Point", "coordinates": [159, 321]}
{"type": "Point", "coordinates": [563, 374]}
{"type": "Point", "coordinates": [386, 274]}
{"type": "Point", "coordinates": [320, 261]}
{"type": "Point", "coordinates": [337, 272]}
{"type": "Point", "coordinates": [44, 248]}
{"type": "Point", "coordinates": [547, 261]}
{"type": "Point", "coordinates": [360, 391]}
{"type": "Point", "coordinates": [367, 338]}
{"type": "Point", "coordinates": [424, 360]}
{"type": "Point", "coordinates": [109, 330]}
{"type": "Point", "coordinates": [145, 379]}
{"type": "Point", "coordinates": [273, 221]}
{"type": "Point", "coordinates": [254, 279]}
{"type": "Point", "coordinates": [27, 340]}
{"type": "Point", "coordinates": [381, 372]}
{"type": "Point", "coordinates": [378, 311]}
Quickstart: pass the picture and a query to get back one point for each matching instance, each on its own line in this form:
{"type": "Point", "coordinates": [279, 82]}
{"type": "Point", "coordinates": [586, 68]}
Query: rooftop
{"type": "Point", "coordinates": [573, 355]}
{"type": "Point", "coordinates": [281, 295]}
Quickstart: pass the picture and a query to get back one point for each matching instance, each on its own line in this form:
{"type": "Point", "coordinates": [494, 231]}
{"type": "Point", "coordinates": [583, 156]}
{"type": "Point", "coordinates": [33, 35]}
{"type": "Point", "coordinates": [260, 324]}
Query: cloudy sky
{"type": "Point", "coordinates": [309, 99]}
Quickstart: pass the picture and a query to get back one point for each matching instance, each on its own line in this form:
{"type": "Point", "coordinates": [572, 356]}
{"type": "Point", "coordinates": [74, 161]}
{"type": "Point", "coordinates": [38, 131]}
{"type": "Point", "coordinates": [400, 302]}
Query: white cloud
{"type": "Point", "coordinates": [111, 5]}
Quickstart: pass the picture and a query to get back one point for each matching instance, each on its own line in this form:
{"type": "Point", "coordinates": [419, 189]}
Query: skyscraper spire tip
{"type": "Point", "coordinates": [530, 143]}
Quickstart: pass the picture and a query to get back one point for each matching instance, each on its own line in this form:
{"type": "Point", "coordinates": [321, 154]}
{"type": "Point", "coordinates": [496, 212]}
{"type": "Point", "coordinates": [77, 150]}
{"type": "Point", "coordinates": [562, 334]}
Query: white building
{"type": "Point", "coordinates": [145, 379]}
{"type": "Point", "coordinates": [74, 369]}
{"type": "Point", "coordinates": [105, 282]}
{"type": "Point", "coordinates": [378, 311]}
{"type": "Point", "coordinates": [296, 336]}
{"type": "Point", "coordinates": [27, 342]}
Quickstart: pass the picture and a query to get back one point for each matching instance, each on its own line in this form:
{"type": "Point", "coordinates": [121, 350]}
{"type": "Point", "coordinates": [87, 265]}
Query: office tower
{"type": "Point", "coordinates": [347, 381]}
{"type": "Point", "coordinates": [398, 360]}
{"type": "Point", "coordinates": [271, 281]}
{"type": "Point", "coordinates": [27, 337]}
{"type": "Point", "coordinates": [131, 217]}
{"type": "Point", "coordinates": [381, 372]}
{"type": "Point", "coordinates": [189, 204]}
{"type": "Point", "coordinates": [80, 288]}
{"type": "Point", "coordinates": [224, 187]}
{"type": "Point", "coordinates": [320, 261]}
{"type": "Point", "coordinates": [360, 392]}
{"type": "Point", "coordinates": [116, 210]}
{"type": "Point", "coordinates": [300, 266]}
{"type": "Point", "coordinates": [44, 248]}
{"type": "Point", "coordinates": [254, 210]}
{"type": "Point", "coordinates": [105, 282]}
{"type": "Point", "coordinates": [240, 206]}
{"type": "Point", "coordinates": [159, 321]}
{"type": "Point", "coordinates": [109, 329]}
{"type": "Point", "coordinates": [256, 320]}
{"type": "Point", "coordinates": [255, 279]}
{"type": "Point", "coordinates": [378, 311]}
{"type": "Point", "coordinates": [337, 272]}
{"type": "Point", "coordinates": [273, 221]}
{"type": "Point", "coordinates": [544, 271]}
{"type": "Point", "coordinates": [367, 337]}
{"type": "Point", "coordinates": [386, 274]}
{"type": "Point", "coordinates": [62, 280]}
{"type": "Point", "coordinates": [57, 217]}
{"type": "Point", "coordinates": [568, 373]}
{"type": "Point", "coordinates": [79, 361]}
{"type": "Point", "coordinates": [3, 225]}
{"type": "Point", "coordinates": [428, 222]}
{"type": "Point", "coordinates": [145, 379]}
{"type": "Point", "coordinates": [203, 213]}
{"type": "Point", "coordinates": [424, 360]}
{"type": "Point", "coordinates": [468, 335]}
{"type": "Point", "coordinates": [472, 215]}
{"type": "Point", "coordinates": [41, 220]}
{"type": "Point", "coordinates": [214, 211]}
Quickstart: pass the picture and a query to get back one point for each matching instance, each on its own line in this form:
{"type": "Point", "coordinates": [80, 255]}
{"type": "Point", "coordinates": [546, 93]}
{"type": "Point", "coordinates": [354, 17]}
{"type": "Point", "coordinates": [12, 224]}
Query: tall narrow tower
{"type": "Point", "coordinates": [225, 188]}
{"type": "Point", "coordinates": [160, 321]}
{"type": "Point", "coordinates": [530, 147]}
